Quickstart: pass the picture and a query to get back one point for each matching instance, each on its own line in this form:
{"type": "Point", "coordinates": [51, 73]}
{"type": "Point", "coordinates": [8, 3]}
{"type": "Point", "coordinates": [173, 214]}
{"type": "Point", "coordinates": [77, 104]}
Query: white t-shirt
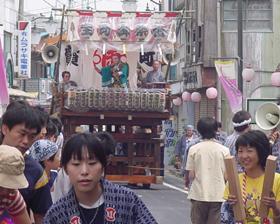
{"type": "Point", "coordinates": [206, 159]}
{"type": "Point", "coordinates": [61, 185]}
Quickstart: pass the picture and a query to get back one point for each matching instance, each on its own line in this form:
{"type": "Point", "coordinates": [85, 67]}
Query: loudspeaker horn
{"type": "Point", "coordinates": [268, 116]}
{"type": "Point", "coordinates": [50, 54]}
{"type": "Point", "coordinates": [175, 58]}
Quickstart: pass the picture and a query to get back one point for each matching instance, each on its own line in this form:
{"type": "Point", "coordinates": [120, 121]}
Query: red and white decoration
{"type": "Point", "coordinates": [186, 96]}
{"type": "Point", "coordinates": [211, 93]}
{"type": "Point", "coordinates": [111, 28]}
{"type": "Point", "coordinates": [248, 74]}
{"type": "Point", "coordinates": [275, 79]}
{"type": "Point", "coordinates": [196, 97]}
{"type": "Point", "coordinates": [177, 101]}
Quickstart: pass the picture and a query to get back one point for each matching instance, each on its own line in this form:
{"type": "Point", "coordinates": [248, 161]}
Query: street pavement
{"type": "Point", "coordinates": [168, 202]}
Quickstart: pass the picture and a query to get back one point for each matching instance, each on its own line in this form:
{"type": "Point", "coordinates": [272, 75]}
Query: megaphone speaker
{"type": "Point", "coordinates": [268, 116]}
{"type": "Point", "coordinates": [174, 58]}
{"type": "Point", "coordinates": [50, 54]}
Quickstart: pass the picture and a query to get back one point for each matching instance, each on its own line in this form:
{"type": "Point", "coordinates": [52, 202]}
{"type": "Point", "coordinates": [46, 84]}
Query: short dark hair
{"type": "Point", "coordinates": [219, 124]}
{"type": "Point", "coordinates": [21, 114]}
{"type": "Point", "coordinates": [51, 159]}
{"type": "Point", "coordinates": [107, 141]}
{"type": "Point", "coordinates": [16, 103]}
{"type": "Point", "coordinates": [207, 127]}
{"type": "Point", "coordinates": [84, 140]}
{"type": "Point", "coordinates": [43, 115]}
{"type": "Point", "coordinates": [57, 121]}
{"type": "Point", "coordinates": [239, 117]}
{"type": "Point", "coordinates": [257, 139]}
{"type": "Point", "coordinates": [51, 129]}
{"type": "Point", "coordinates": [65, 72]}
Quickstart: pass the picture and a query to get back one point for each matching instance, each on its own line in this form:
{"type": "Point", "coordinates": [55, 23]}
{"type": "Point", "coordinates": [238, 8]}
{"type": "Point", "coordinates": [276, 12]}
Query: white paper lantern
{"type": "Point", "coordinates": [248, 74]}
{"type": "Point", "coordinates": [196, 97]}
{"type": "Point", "coordinates": [177, 101]}
{"type": "Point", "coordinates": [211, 93]}
{"type": "Point", "coordinates": [186, 96]}
{"type": "Point", "coordinates": [104, 30]}
{"type": "Point", "coordinates": [141, 32]}
{"type": "Point", "coordinates": [275, 79]}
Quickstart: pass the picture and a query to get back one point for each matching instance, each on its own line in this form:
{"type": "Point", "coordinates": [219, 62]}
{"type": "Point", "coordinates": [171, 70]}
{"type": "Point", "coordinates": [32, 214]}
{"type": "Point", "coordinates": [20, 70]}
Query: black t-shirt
{"type": "Point", "coordinates": [90, 213]}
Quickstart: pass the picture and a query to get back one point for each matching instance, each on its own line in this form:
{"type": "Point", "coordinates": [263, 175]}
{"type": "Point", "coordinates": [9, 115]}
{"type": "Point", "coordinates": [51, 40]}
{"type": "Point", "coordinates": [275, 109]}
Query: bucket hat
{"type": "Point", "coordinates": [11, 168]}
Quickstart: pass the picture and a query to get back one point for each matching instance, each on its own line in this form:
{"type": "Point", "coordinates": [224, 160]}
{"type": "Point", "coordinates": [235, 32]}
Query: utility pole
{"type": "Point", "coordinates": [240, 45]}
{"type": "Point", "coordinates": [20, 10]}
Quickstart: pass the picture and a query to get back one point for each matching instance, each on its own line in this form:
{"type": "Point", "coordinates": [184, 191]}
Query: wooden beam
{"type": "Point", "coordinates": [54, 40]}
{"type": "Point", "coordinates": [133, 179]}
{"type": "Point", "coordinates": [267, 184]}
{"type": "Point", "coordinates": [234, 188]}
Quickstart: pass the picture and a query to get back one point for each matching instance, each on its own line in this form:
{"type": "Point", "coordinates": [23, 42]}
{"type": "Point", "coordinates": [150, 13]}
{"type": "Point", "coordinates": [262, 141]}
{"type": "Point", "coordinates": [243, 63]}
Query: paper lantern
{"type": "Point", "coordinates": [177, 101]}
{"type": "Point", "coordinates": [248, 74]}
{"type": "Point", "coordinates": [86, 30]}
{"type": "Point", "coordinates": [196, 97]}
{"type": "Point", "coordinates": [158, 31]}
{"type": "Point", "coordinates": [123, 31]}
{"type": "Point", "coordinates": [141, 32]}
{"type": "Point", "coordinates": [186, 96]}
{"type": "Point", "coordinates": [104, 31]}
{"type": "Point", "coordinates": [275, 79]}
{"type": "Point", "coordinates": [211, 93]}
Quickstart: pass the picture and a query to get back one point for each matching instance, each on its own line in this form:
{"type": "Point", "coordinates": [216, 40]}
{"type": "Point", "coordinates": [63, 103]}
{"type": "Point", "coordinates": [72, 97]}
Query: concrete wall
{"type": "Point", "coordinates": [260, 49]}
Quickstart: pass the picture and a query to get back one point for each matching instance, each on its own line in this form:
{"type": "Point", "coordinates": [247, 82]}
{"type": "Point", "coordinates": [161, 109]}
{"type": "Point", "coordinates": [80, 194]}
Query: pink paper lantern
{"type": "Point", "coordinates": [211, 93]}
{"type": "Point", "coordinates": [248, 74]}
{"type": "Point", "coordinates": [196, 97]}
{"type": "Point", "coordinates": [275, 79]}
{"type": "Point", "coordinates": [186, 96]}
{"type": "Point", "coordinates": [177, 101]}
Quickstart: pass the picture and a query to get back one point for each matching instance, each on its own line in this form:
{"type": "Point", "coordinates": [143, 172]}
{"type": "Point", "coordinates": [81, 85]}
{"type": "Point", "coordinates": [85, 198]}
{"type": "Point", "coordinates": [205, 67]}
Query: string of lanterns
{"type": "Point", "coordinates": [211, 93]}
{"type": "Point", "coordinates": [248, 74]}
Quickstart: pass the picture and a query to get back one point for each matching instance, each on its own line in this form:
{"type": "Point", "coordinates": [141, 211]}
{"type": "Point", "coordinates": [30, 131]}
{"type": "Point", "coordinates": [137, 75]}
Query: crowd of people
{"type": "Point", "coordinates": [203, 166]}
{"type": "Point", "coordinates": [45, 179]}
{"type": "Point", "coordinates": [32, 190]}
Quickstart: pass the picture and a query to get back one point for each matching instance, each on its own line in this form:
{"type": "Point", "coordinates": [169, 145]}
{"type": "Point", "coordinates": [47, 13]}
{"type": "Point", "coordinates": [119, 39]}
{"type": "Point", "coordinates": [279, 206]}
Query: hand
{"type": "Point", "coordinates": [187, 182]}
{"type": "Point", "coordinates": [270, 201]}
{"type": "Point", "coordinates": [275, 137]}
{"type": "Point", "coordinates": [115, 74]}
{"type": "Point", "coordinates": [97, 69]}
{"type": "Point", "coordinates": [232, 199]}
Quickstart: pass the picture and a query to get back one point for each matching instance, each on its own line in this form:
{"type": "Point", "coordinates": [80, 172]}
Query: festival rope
{"type": "Point", "coordinates": [266, 220]}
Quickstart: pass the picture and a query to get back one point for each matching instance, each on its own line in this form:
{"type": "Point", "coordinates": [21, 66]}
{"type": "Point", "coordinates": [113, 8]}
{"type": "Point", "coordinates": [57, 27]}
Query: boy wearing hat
{"type": "Point", "coordinates": [11, 178]}
{"type": "Point", "coordinates": [20, 126]}
{"type": "Point", "coordinates": [46, 153]}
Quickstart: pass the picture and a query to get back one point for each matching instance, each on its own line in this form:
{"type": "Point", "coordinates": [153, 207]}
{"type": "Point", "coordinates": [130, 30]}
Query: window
{"type": "Point", "coordinates": [257, 15]}
{"type": "Point", "coordinates": [7, 42]}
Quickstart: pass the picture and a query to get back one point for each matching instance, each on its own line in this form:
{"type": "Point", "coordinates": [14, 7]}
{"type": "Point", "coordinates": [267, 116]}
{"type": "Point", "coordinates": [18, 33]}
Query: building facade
{"type": "Point", "coordinates": [211, 34]}
{"type": "Point", "coordinates": [8, 34]}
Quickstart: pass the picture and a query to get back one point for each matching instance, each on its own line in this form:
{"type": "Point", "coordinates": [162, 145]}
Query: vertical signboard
{"type": "Point", "coordinates": [170, 129]}
{"type": "Point", "coordinates": [24, 49]}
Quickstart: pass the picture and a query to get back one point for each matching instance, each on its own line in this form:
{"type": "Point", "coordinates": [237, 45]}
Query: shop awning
{"type": "Point", "coordinates": [20, 93]}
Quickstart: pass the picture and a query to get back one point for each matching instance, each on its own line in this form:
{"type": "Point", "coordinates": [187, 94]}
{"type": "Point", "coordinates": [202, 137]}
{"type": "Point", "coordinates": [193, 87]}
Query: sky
{"type": "Point", "coordinates": [40, 6]}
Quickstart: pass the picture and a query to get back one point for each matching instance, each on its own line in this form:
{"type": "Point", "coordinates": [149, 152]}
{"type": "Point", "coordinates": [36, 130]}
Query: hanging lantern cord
{"type": "Point", "coordinates": [239, 59]}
